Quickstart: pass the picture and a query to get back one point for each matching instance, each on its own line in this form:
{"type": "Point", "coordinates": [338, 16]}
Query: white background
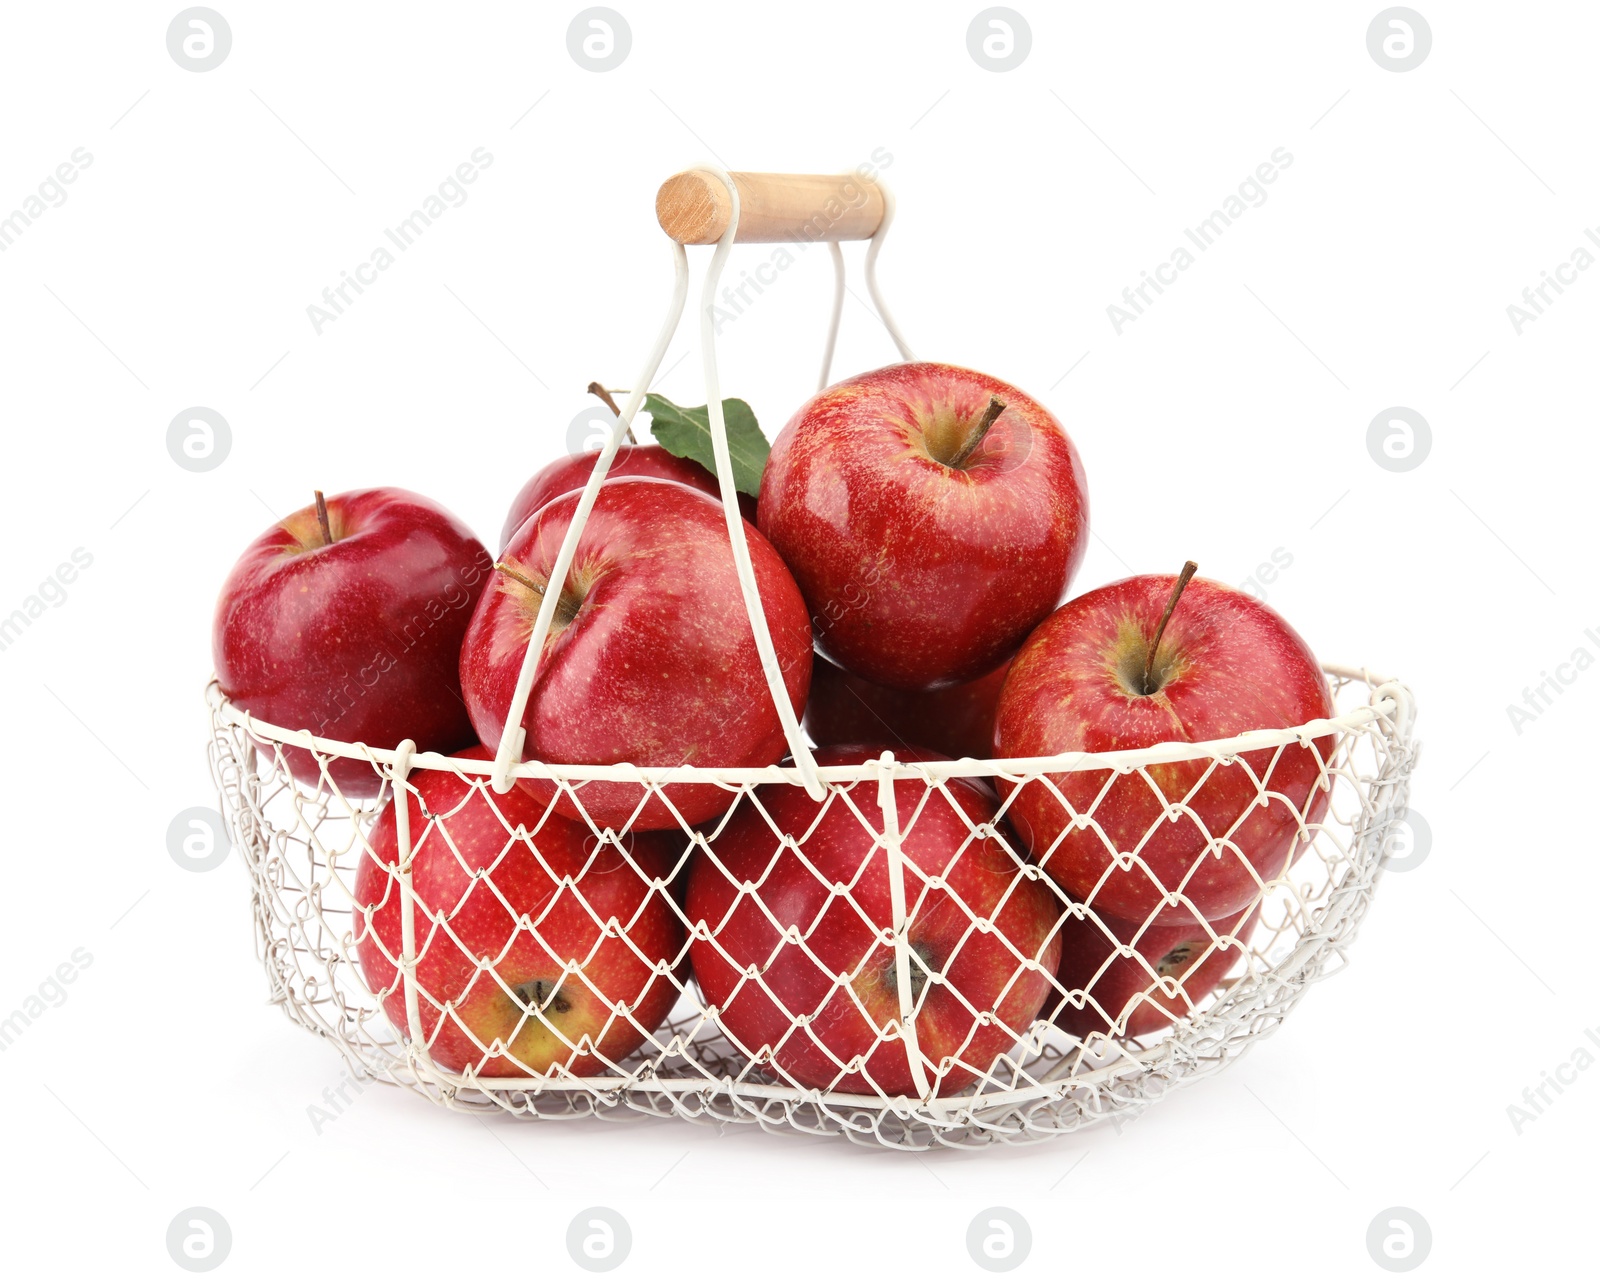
{"type": "Point", "coordinates": [1228, 422]}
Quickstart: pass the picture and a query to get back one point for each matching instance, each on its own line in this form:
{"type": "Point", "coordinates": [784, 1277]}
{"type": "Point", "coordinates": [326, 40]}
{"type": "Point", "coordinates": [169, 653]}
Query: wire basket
{"type": "Point", "coordinates": [449, 944]}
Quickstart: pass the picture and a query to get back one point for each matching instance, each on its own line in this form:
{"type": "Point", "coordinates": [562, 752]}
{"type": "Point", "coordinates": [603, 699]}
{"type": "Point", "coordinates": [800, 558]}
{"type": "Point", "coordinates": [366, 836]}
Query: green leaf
{"type": "Point", "coordinates": [687, 434]}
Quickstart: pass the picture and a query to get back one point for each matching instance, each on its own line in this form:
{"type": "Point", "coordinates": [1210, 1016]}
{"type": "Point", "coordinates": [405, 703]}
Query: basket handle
{"type": "Point", "coordinates": [708, 206]}
{"type": "Point", "coordinates": [771, 668]}
{"type": "Point", "coordinates": [695, 207]}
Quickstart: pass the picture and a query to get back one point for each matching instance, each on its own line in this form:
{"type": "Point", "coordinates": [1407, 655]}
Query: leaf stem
{"type": "Point", "coordinates": [517, 576]}
{"type": "Point", "coordinates": [1184, 575]}
{"type": "Point", "coordinates": [322, 519]}
{"type": "Point", "coordinates": [995, 409]}
{"type": "Point", "coordinates": [595, 389]}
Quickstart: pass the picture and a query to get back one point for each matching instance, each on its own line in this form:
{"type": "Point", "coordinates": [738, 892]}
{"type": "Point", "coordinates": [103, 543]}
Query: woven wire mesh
{"type": "Point", "coordinates": [846, 1025]}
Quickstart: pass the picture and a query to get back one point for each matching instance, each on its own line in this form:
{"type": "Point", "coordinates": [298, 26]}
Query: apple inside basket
{"type": "Point", "coordinates": [839, 814]}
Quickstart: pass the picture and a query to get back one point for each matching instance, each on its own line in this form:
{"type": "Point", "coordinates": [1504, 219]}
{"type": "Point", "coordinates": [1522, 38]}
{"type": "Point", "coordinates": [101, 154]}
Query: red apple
{"type": "Point", "coordinates": [517, 968]}
{"type": "Point", "coordinates": [788, 947]}
{"type": "Point", "coordinates": [351, 628]}
{"type": "Point", "coordinates": [567, 474]}
{"type": "Point", "coordinates": [650, 658]}
{"type": "Point", "coordinates": [1171, 970]}
{"type": "Point", "coordinates": [957, 720]}
{"type": "Point", "coordinates": [933, 517]}
{"type": "Point", "coordinates": [1222, 664]}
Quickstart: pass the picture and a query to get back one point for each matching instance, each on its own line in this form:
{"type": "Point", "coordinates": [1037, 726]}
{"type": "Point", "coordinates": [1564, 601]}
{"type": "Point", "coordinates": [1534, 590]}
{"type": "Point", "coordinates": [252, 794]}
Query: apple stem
{"type": "Point", "coordinates": [515, 576]}
{"type": "Point", "coordinates": [322, 519]}
{"type": "Point", "coordinates": [595, 389]}
{"type": "Point", "coordinates": [995, 409]}
{"type": "Point", "coordinates": [1184, 575]}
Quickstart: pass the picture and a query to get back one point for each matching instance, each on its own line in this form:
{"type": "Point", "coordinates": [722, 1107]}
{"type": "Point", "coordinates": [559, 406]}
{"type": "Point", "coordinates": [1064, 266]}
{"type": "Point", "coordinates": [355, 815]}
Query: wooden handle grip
{"type": "Point", "coordinates": [693, 207]}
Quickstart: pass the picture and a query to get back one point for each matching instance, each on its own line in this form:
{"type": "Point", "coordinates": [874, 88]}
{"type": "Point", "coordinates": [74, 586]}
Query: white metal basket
{"type": "Point", "coordinates": [305, 846]}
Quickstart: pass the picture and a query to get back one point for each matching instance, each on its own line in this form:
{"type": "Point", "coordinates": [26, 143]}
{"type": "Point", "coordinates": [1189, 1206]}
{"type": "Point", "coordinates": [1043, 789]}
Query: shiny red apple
{"type": "Point", "coordinates": [1110, 671]}
{"type": "Point", "coordinates": [567, 474]}
{"type": "Point", "coordinates": [650, 658]}
{"type": "Point", "coordinates": [788, 947]}
{"type": "Point", "coordinates": [933, 517]}
{"type": "Point", "coordinates": [348, 623]}
{"type": "Point", "coordinates": [956, 720]}
{"type": "Point", "coordinates": [518, 970]}
{"type": "Point", "coordinates": [1167, 972]}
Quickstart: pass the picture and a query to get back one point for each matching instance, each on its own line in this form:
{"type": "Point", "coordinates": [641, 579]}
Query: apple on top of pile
{"type": "Point", "coordinates": [913, 533]}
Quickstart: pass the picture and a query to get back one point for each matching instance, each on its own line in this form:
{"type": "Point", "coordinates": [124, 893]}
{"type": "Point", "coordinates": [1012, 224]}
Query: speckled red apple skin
{"type": "Point", "coordinates": [658, 668]}
{"type": "Point", "coordinates": [1240, 667]}
{"type": "Point", "coordinates": [919, 574]}
{"type": "Point", "coordinates": [956, 720]}
{"type": "Point", "coordinates": [356, 641]}
{"type": "Point", "coordinates": [1126, 991]}
{"type": "Point", "coordinates": [980, 964]}
{"type": "Point", "coordinates": [567, 474]}
{"type": "Point", "coordinates": [545, 868]}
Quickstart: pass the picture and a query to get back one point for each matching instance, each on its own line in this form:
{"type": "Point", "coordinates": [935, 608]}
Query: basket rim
{"type": "Point", "coordinates": [1389, 700]}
